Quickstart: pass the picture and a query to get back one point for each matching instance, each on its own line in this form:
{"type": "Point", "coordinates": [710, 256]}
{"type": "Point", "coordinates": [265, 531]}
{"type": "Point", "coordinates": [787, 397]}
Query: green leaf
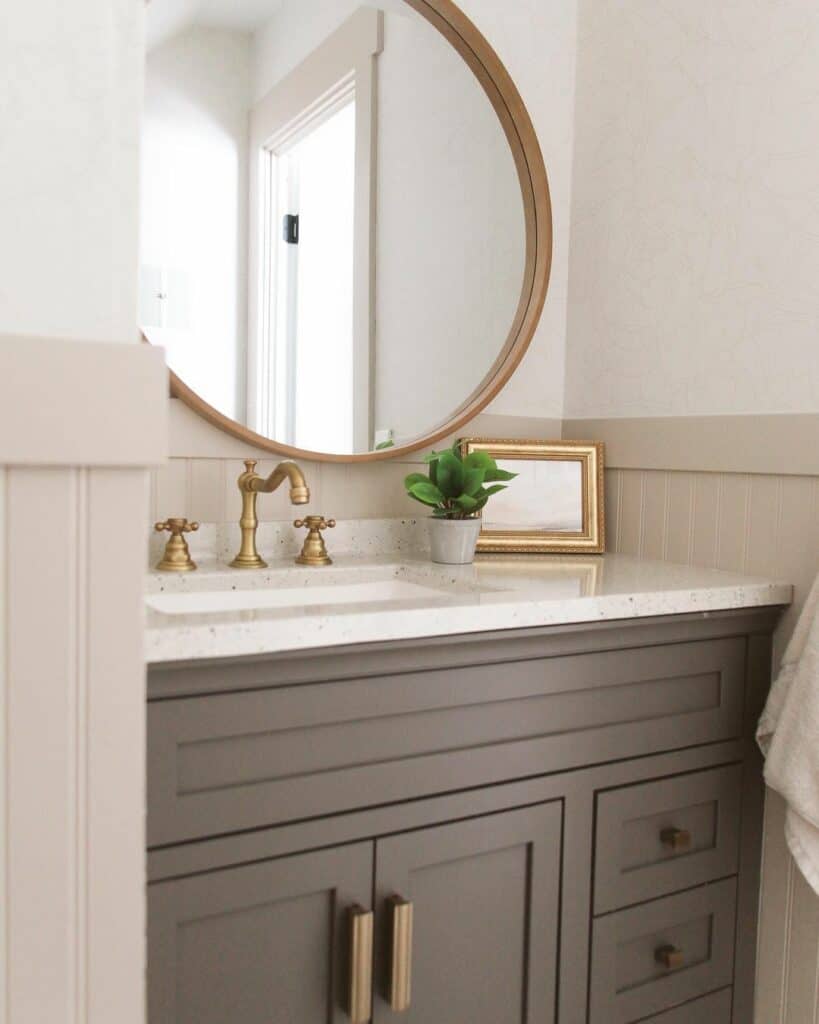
{"type": "Point", "coordinates": [385, 444]}
{"type": "Point", "coordinates": [450, 475]}
{"type": "Point", "coordinates": [479, 460]}
{"type": "Point", "coordinates": [499, 474]}
{"type": "Point", "coordinates": [415, 478]}
{"type": "Point", "coordinates": [473, 480]}
{"type": "Point", "coordinates": [487, 492]}
{"type": "Point", "coordinates": [426, 492]}
{"type": "Point", "coordinates": [431, 459]}
{"type": "Point", "coordinates": [467, 503]}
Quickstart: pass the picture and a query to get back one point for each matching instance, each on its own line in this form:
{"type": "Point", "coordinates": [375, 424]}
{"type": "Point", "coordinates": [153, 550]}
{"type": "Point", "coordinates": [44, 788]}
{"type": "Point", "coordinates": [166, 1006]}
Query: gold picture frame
{"type": "Point", "coordinates": [578, 526]}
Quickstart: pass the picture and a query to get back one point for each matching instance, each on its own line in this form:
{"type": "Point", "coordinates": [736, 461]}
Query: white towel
{"type": "Point", "coordinates": [788, 734]}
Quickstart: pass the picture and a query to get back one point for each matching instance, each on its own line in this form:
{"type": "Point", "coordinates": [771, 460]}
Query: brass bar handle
{"type": "Point", "coordinates": [670, 957]}
{"type": "Point", "coordinates": [676, 839]}
{"type": "Point", "coordinates": [361, 965]}
{"type": "Point", "coordinates": [401, 969]}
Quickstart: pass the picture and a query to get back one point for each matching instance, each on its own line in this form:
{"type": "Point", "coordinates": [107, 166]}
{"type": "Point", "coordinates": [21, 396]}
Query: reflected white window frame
{"type": "Point", "coordinates": [279, 343]}
{"type": "Point", "coordinates": [344, 65]}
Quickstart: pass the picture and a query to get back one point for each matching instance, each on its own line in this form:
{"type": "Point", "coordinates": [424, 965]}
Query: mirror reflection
{"type": "Point", "coordinates": [333, 235]}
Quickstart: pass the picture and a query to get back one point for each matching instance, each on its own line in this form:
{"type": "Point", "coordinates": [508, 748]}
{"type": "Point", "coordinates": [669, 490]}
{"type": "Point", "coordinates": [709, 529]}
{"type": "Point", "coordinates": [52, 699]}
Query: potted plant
{"type": "Point", "coordinates": [456, 490]}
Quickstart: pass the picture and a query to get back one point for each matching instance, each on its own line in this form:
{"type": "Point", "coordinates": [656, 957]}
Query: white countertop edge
{"type": "Point", "coordinates": [208, 640]}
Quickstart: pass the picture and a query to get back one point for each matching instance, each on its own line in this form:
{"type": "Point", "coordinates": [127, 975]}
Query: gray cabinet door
{"type": "Point", "coordinates": [266, 943]}
{"type": "Point", "coordinates": [485, 900]}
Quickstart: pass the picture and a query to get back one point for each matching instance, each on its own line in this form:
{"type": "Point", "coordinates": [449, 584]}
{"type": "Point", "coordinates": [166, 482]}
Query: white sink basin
{"type": "Point", "coordinates": [215, 601]}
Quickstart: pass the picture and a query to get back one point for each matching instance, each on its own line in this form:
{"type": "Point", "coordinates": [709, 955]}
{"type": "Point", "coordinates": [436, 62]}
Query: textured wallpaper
{"type": "Point", "coordinates": [695, 218]}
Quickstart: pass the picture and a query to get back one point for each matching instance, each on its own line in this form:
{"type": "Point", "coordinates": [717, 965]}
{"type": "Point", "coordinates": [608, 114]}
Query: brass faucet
{"type": "Point", "coordinates": [251, 484]}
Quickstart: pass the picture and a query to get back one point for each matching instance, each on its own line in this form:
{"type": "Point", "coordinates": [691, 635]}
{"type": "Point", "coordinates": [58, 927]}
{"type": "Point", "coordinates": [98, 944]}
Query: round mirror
{"type": "Point", "coordinates": [345, 220]}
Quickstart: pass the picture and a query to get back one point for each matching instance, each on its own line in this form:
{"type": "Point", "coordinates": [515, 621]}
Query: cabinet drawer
{"type": "Point", "coordinates": [629, 981]}
{"type": "Point", "coordinates": [713, 1009]}
{"type": "Point", "coordinates": [228, 762]}
{"type": "Point", "coordinates": [659, 837]}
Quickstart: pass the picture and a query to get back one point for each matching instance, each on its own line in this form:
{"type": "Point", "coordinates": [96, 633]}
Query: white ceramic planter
{"type": "Point", "coordinates": [453, 541]}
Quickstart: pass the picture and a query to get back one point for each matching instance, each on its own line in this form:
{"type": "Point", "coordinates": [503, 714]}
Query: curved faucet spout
{"type": "Point", "coordinates": [299, 491]}
{"type": "Point", "coordinates": [250, 485]}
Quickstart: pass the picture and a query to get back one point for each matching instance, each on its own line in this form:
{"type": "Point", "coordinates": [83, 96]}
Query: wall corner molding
{"type": "Point", "coordinates": [75, 403]}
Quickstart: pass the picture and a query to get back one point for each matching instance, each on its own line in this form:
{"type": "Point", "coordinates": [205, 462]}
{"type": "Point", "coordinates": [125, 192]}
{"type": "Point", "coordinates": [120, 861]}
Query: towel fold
{"type": "Point", "coordinates": [788, 735]}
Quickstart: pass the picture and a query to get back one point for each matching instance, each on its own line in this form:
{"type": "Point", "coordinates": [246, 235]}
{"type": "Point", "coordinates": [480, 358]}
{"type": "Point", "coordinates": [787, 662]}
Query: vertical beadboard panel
{"type": "Point", "coordinates": [679, 528]}
{"type": "Point", "coordinates": [767, 525]}
{"type": "Point", "coordinates": [4, 822]}
{"type": "Point", "coordinates": [764, 516]}
{"type": "Point", "coordinates": [630, 524]}
{"type": "Point", "coordinates": [612, 501]}
{"type": "Point", "coordinates": [72, 775]}
{"type": "Point", "coordinates": [705, 529]}
{"type": "Point", "coordinates": [733, 522]}
{"type": "Point", "coordinates": [655, 514]}
{"type": "Point", "coordinates": [207, 491]}
{"type": "Point", "coordinates": [113, 842]}
{"type": "Point", "coordinates": [42, 509]}
{"type": "Point", "coordinates": [774, 924]}
{"type": "Point", "coordinates": [172, 489]}
{"type": "Point", "coordinates": [800, 978]}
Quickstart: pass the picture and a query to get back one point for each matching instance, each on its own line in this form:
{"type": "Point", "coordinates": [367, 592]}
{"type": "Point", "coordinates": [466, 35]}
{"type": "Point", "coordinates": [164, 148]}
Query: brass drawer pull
{"type": "Point", "coordinates": [361, 965]}
{"type": "Point", "coordinates": [401, 970]}
{"type": "Point", "coordinates": [670, 957]}
{"type": "Point", "coordinates": [676, 839]}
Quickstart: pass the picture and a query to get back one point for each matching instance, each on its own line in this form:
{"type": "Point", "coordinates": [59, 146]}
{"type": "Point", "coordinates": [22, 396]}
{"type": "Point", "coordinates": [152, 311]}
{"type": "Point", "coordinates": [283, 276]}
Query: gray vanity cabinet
{"type": "Point", "coordinates": [273, 943]}
{"type": "Point", "coordinates": [546, 826]}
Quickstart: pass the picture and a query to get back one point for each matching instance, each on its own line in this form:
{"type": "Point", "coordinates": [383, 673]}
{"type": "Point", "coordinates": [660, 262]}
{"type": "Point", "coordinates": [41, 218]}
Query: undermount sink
{"type": "Point", "coordinates": [214, 601]}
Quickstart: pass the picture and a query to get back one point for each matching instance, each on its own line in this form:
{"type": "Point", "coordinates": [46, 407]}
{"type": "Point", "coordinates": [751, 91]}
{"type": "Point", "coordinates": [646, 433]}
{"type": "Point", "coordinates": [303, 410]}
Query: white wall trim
{"type": "Point", "coordinates": [67, 403]}
{"type": "Point", "coordinates": [786, 445]}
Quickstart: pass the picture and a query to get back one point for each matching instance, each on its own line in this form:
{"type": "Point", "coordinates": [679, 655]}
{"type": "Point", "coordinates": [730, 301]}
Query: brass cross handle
{"type": "Point", "coordinates": [176, 526]}
{"type": "Point", "coordinates": [177, 557]}
{"type": "Point", "coordinates": [314, 552]}
{"type": "Point", "coordinates": [315, 523]}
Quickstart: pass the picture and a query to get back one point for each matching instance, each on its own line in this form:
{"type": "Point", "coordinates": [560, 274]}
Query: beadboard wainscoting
{"type": "Point", "coordinates": [759, 524]}
{"type": "Point", "coordinates": [73, 498]}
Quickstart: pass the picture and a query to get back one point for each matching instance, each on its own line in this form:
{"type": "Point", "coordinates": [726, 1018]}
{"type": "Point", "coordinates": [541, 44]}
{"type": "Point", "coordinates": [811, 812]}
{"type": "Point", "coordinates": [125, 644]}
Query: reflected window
{"type": "Point", "coordinates": [307, 341]}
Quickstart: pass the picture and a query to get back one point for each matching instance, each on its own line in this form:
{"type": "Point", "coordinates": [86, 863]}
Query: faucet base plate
{"type": "Point", "coordinates": [248, 562]}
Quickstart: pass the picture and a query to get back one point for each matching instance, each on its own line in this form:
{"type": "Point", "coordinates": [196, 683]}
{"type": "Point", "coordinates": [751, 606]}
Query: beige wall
{"type": "Point", "coordinates": [695, 214]}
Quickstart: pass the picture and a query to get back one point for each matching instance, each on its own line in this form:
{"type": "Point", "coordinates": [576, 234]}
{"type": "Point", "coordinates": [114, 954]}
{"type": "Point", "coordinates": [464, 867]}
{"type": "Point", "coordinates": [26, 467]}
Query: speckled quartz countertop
{"type": "Point", "coordinates": [212, 614]}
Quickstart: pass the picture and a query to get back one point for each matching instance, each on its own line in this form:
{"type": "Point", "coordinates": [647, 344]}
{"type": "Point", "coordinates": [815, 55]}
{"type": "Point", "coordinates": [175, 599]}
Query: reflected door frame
{"type": "Point", "coordinates": [345, 61]}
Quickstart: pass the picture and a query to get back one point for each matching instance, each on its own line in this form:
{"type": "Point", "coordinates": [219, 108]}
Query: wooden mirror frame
{"type": "Point", "coordinates": [487, 67]}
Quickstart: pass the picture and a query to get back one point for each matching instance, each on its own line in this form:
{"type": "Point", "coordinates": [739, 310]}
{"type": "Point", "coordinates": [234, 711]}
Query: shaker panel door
{"type": "Point", "coordinates": [267, 943]}
{"type": "Point", "coordinates": [484, 895]}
